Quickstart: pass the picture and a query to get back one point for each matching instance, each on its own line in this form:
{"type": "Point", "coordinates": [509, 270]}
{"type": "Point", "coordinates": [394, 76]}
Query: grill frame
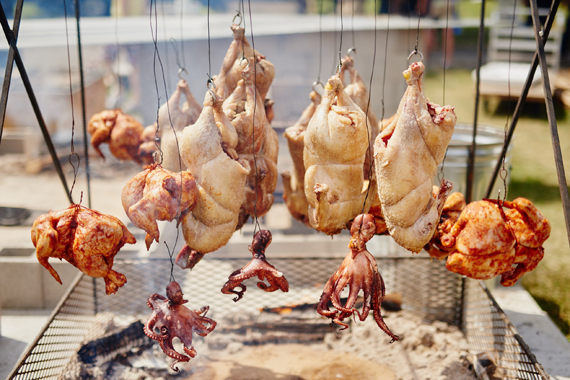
{"type": "Point", "coordinates": [426, 287]}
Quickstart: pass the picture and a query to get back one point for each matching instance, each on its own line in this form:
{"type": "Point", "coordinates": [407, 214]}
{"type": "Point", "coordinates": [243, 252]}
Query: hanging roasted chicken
{"type": "Point", "coordinates": [294, 183]}
{"type": "Point", "coordinates": [85, 238]}
{"type": "Point", "coordinates": [406, 155]}
{"type": "Point", "coordinates": [121, 131]}
{"type": "Point", "coordinates": [158, 194]}
{"type": "Point", "coordinates": [336, 141]}
{"type": "Point", "coordinates": [487, 241]}
{"type": "Point", "coordinates": [207, 149]}
{"type": "Point", "coordinates": [172, 118]}
{"type": "Point", "coordinates": [258, 144]}
{"type": "Point", "coordinates": [360, 272]}
{"type": "Point", "coordinates": [171, 319]}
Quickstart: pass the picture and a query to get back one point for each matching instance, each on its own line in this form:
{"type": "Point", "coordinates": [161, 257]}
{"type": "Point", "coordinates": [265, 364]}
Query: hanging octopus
{"type": "Point", "coordinates": [257, 267]}
{"type": "Point", "coordinates": [360, 272]}
{"type": "Point", "coordinates": [171, 319]}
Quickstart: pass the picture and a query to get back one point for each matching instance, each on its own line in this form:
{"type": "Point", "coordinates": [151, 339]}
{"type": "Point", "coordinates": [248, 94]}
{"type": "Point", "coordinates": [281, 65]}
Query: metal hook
{"type": "Point", "coordinates": [238, 14]}
{"type": "Point", "coordinates": [180, 65]}
{"type": "Point", "coordinates": [416, 51]}
{"type": "Point", "coordinates": [246, 60]}
{"type": "Point", "coordinates": [351, 50]}
{"type": "Point", "coordinates": [338, 67]}
{"type": "Point", "coordinates": [180, 71]}
{"type": "Point", "coordinates": [210, 83]}
{"type": "Point", "coordinates": [316, 83]}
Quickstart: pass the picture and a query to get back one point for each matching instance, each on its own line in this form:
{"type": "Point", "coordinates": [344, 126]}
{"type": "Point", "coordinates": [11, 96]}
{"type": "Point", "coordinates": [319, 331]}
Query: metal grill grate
{"type": "Point", "coordinates": [426, 287]}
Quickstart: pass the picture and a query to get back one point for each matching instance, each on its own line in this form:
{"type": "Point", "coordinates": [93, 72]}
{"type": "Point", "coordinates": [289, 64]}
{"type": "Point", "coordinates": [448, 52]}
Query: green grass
{"type": "Point", "coordinates": [533, 176]}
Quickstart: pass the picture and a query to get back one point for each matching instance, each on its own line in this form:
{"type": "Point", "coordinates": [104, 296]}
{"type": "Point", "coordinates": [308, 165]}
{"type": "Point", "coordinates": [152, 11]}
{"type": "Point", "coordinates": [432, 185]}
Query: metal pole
{"type": "Point", "coordinates": [470, 180]}
{"type": "Point", "coordinates": [522, 98]}
{"type": "Point", "coordinates": [85, 144]}
{"type": "Point", "coordinates": [9, 65]}
{"type": "Point", "coordinates": [33, 101]}
{"type": "Point", "coordinates": [551, 117]}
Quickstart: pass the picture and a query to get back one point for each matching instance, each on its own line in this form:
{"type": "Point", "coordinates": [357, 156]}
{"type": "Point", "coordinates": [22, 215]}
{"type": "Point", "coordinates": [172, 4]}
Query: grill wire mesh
{"type": "Point", "coordinates": [426, 287]}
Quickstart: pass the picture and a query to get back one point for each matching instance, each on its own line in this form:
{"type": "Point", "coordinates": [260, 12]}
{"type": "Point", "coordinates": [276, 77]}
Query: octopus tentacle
{"type": "Point", "coordinates": [168, 349]}
{"type": "Point", "coordinates": [148, 329]}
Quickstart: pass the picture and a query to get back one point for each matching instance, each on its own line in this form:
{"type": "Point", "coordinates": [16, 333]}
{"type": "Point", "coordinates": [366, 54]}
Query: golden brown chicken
{"type": "Point", "coordinates": [406, 155]}
{"type": "Point", "coordinates": [220, 180]}
{"type": "Point", "coordinates": [483, 244]}
{"type": "Point", "coordinates": [531, 229]}
{"type": "Point", "coordinates": [294, 183]}
{"type": "Point", "coordinates": [85, 238]}
{"type": "Point", "coordinates": [452, 208]}
{"type": "Point", "coordinates": [336, 141]}
{"type": "Point", "coordinates": [172, 118]}
{"type": "Point", "coordinates": [158, 194]}
{"type": "Point", "coordinates": [121, 131]}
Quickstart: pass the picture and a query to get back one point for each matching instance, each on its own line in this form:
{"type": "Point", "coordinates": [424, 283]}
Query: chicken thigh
{"type": "Point", "coordinates": [85, 238]}
{"type": "Point", "coordinates": [406, 155]}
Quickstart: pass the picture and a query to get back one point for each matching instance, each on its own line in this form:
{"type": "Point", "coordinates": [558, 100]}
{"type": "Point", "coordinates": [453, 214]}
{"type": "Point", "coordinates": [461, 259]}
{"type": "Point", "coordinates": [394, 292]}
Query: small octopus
{"type": "Point", "coordinates": [360, 272]}
{"type": "Point", "coordinates": [170, 319]}
{"type": "Point", "coordinates": [257, 267]}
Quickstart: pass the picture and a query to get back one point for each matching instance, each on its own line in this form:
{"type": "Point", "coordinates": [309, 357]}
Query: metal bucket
{"type": "Point", "coordinates": [489, 144]}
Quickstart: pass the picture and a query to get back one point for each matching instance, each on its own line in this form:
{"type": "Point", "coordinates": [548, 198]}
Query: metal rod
{"type": "Point", "coordinates": [551, 117]}
{"type": "Point", "coordinates": [522, 98]}
{"type": "Point", "coordinates": [33, 101]}
{"type": "Point", "coordinates": [9, 65]}
{"type": "Point", "coordinates": [85, 144]}
{"type": "Point", "coordinates": [471, 161]}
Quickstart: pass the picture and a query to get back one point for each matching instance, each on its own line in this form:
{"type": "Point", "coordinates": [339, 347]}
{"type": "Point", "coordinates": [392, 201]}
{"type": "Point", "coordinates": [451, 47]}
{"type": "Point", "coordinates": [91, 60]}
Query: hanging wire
{"type": "Point", "coordinates": [441, 174]}
{"type": "Point", "coordinates": [370, 157]}
{"type": "Point", "coordinates": [166, 53]}
{"type": "Point", "coordinates": [256, 227]}
{"type": "Point", "coordinates": [118, 49]}
{"type": "Point", "coordinates": [341, 35]}
{"type": "Point", "coordinates": [182, 35]}
{"type": "Point", "coordinates": [209, 48]}
{"type": "Point", "coordinates": [503, 173]}
{"type": "Point", "coordinates": [75, 168]}
{"type": "Point", "coordinates": [320, 44]}
{"type": "Point", "coordinates": [154, 32]}
{"type": "Point", "coordinates": [385, 62]}
{"type": "Point", "coordinates": [83, 108]}
{"type": "Point", "coordinates": [353, 48]}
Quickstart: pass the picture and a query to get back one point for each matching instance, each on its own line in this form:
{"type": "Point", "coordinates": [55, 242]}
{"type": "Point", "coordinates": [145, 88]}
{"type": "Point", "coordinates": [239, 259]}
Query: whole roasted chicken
{"type": "Point", "coordinates": [360, 272]}
{"type": "Point", "coordinates": [487, 241]}
{"type": "Point", "coordinates": [294, 183]}
{"type": "Point", "coordinates": [336, 141]}
{"type": "Point", "coordinates": [406, 155]}
{"type": "Point", "coordinates": [121, 131]}
{"type": "Point", "coordinates": [172, 118]}
{"type": "Point", "coordinates": [220, 179]}
{"type": "Point", "coordinates": [258, 144]}
{"type": "Point", "coordinates": [158, 194]}
{"type": "Point", "coordinates": [85, 238]}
